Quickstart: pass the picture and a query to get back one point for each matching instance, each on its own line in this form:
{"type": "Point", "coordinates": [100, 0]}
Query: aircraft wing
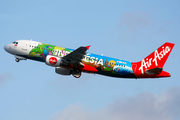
{"type": "Point", "coordinates": [75, 57]}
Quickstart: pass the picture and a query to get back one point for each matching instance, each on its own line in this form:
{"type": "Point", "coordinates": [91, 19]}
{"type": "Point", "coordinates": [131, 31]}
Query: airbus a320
{"type": "Point", "coordinates": [73, 62]}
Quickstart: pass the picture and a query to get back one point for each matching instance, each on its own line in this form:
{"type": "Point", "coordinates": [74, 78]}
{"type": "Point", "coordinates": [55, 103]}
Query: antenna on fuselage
{"type": "Point", "coordinates": [30, 39]}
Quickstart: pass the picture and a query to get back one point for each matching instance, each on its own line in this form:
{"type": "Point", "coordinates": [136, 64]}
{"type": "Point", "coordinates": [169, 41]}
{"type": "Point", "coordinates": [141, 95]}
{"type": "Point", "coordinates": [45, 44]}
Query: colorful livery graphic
{"type": "Point", "coordinates": [69, 61]}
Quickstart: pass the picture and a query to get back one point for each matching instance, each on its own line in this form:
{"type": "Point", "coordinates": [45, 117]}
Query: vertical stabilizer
{"type": "Point", "coordinates": [154, 61]}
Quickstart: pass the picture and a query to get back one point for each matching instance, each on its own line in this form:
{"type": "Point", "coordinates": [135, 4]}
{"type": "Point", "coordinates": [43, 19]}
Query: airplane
{"type": "Point", "coordinates": [73, 62]}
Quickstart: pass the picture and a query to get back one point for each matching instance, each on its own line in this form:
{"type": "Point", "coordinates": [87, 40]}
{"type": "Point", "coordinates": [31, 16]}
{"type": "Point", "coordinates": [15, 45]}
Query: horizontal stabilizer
{"type": "Point", "coordinates": [156, 70]}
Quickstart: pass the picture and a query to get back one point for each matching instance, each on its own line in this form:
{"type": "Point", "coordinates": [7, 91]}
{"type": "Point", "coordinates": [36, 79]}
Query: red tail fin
{"type": "Point", "coordinates": [156, 59]}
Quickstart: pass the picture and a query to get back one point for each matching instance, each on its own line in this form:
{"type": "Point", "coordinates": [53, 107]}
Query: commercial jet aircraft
{"type": "Point", "coordinates": [68, 61]}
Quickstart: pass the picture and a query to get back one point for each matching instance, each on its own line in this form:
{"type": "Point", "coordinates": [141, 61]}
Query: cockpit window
{"type": "Point", "coordinates": [15, 42]}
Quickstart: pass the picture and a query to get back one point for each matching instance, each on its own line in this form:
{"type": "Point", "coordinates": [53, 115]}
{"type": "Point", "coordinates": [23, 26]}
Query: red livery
{"type": "Point", "coordinates": [152, 65]}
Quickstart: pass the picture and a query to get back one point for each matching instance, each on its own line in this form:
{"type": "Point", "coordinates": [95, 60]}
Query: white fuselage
{"type": "Point", "coordinates": [20, 47]}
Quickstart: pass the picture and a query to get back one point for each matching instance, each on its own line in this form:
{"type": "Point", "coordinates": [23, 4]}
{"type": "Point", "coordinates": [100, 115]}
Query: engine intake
{"type": "Point", "coordinates": [53, 61]}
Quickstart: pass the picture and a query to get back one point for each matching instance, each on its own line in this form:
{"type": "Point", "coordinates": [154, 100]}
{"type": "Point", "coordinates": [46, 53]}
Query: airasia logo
{"type": "Point", "coordinates": [157, 56]}
{"type": "Point", "coordinates": [52, 60]}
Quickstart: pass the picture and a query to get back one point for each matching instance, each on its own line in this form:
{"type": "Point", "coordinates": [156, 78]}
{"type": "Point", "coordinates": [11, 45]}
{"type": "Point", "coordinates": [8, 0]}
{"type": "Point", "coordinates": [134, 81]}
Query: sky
{"type": "Point", "coordinates": [124, 29]}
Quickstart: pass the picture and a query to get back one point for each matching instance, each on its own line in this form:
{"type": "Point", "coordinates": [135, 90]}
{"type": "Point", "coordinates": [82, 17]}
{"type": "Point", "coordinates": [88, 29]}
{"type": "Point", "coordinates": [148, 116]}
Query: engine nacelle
{"type": "Point", "coordinates": [53, 61]}
{"type": "Point", "coordinates": [63, 71]}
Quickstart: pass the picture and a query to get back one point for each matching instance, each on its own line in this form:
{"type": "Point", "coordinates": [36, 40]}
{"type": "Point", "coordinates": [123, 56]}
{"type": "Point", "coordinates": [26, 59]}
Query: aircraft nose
{"type": "Point", "coordinates": [7, 48]}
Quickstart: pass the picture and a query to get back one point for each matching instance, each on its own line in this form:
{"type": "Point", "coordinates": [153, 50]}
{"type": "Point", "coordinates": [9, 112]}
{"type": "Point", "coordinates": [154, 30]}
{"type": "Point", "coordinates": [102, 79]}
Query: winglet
{"type": "Point", "coordinates": [88, 47]}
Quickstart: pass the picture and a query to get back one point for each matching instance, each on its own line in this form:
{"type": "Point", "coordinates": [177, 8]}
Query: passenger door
{"type": "Point", "coordinates": [25, 45]}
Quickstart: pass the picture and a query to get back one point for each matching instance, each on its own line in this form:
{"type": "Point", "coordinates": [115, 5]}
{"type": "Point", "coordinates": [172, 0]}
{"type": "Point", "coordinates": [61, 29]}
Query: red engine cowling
{"type": "Point", "coordinates": [53, 61]}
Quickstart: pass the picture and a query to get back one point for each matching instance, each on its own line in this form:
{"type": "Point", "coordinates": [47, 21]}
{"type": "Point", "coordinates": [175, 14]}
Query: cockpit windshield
{"type": "Point", "coordinates": [15, 42]}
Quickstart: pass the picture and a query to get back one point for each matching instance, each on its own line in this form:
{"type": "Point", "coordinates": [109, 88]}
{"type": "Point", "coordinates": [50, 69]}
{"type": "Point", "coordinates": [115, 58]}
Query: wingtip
{"type": "Point", "coordinates": [88, 47]}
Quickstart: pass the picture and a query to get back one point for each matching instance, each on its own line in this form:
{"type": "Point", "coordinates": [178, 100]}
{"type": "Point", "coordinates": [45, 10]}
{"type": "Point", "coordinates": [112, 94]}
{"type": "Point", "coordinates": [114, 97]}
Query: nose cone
{"type": "Point", "coordinates": [7, 48]}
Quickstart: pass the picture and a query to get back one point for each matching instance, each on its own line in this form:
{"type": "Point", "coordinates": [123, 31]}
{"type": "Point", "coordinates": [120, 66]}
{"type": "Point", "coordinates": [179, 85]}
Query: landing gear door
{"type": "Point", "coordinates": [25, 45]}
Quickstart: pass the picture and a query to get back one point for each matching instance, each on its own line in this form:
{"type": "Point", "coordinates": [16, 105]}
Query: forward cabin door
{"type": "Point", "coordinates": [25, 45]}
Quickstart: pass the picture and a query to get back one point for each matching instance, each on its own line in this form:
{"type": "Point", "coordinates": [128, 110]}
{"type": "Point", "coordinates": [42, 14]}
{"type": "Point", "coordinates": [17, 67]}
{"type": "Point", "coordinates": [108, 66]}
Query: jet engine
{"type": "Point", "coordinates": [63, 71]}
{"type": "Point", "coordinates": [53, 61]}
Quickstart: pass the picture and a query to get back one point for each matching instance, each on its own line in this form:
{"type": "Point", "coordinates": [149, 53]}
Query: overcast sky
{"type": "Point", "coordinates": [123, 29]}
